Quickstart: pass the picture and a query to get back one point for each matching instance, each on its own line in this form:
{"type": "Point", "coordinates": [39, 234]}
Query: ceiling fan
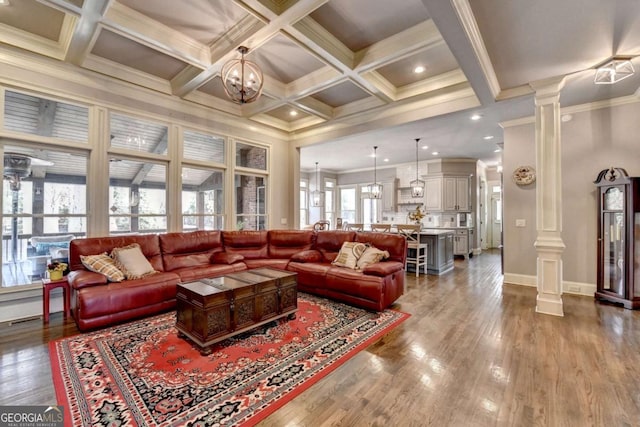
{"type": "Point", "coordinates": [18, 166]}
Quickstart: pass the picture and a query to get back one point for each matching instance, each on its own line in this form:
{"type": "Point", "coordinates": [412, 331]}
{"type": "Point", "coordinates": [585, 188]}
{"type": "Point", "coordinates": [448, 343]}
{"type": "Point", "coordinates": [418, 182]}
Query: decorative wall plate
{"type": "Point", "coordinates": [524, 175]}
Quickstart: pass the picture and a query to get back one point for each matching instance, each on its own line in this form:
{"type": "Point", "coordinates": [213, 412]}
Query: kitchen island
{"type": "Point", "coordinates": [439, 249]}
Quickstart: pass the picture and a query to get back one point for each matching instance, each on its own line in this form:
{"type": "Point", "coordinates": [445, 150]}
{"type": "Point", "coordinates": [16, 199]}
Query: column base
{"type": "Point", "coordinates": [550, 306]}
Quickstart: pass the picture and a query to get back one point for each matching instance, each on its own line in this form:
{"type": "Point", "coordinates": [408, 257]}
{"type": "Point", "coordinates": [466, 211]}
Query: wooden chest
{"type": "Point", "coordinates": [210, 310]}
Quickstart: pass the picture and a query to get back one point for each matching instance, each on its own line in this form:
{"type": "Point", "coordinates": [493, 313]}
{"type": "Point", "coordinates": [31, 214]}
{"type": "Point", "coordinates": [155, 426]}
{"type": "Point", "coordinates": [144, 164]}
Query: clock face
{"type": "Point", "coordinates": [524, 175]}
{"type": "Point", "coordinates": [613, 199]}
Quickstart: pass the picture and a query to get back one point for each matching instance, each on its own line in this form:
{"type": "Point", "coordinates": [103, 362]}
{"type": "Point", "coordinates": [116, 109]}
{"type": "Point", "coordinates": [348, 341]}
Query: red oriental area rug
{"type": "Point", "coordinates": [142, 374]}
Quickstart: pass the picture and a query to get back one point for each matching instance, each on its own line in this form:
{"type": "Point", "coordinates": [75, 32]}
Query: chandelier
{"type": "Point", "coordinates": [317, 196]}
{"type": "Point", "coordinates": [375, 189]}
{"type": "Point", "coordinates": [417, 186]}
{"type": "Point", "coordinates": [242, 80]}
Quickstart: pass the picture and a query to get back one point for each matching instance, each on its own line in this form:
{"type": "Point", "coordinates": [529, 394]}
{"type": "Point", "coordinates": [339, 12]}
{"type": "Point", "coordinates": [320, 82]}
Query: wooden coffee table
{"type": "Point", "coordinates": [211, 310]}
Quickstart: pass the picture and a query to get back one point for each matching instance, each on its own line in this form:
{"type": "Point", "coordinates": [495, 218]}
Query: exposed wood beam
{"type": "Point", "coordinates": [46, 117]}
{"type": "Point", "coordinates": [160, 147]}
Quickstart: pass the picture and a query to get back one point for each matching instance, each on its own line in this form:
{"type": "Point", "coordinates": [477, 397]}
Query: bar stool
{"type": "Point", "coordinates": [412, 233]}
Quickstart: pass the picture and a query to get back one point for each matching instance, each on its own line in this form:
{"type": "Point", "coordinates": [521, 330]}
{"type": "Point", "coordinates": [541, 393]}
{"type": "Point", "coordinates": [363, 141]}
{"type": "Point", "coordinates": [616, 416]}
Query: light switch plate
{"type": "Point", "coordinates": [283, 221]}
{"type": "Point", "coordinates": [521, 222]}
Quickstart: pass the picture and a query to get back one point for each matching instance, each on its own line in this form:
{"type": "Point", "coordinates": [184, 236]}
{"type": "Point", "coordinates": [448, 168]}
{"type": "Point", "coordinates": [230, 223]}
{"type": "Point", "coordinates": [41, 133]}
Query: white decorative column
{"type": "Point", "coordinates": [549, 244]}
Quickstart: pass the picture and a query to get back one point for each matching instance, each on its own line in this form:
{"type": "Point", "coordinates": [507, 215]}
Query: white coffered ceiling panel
{"type": "Point", "coordinates": [346, 66]}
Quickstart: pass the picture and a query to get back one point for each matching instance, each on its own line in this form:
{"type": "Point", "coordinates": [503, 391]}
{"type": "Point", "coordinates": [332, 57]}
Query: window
{"type": "Point", "coordinates": [44, 207]}
{"type": "Point", "coordinates": [137, 197]}
{"type": "Point", "coordinates": [136, 134]}
{"type": "Point", "coordinates": [251, 156]}
{"type": "Point", "coordinates": [251, 207]}
{"type": "Point", "coordinates": [45, 117]}
{"type": "Point", "coordinates": [202, 199]}
{"type": "Point", "coordinates": [348, 205]}
{"type": "Point", "coordinates": [329, 205]}
{"type": "Point", "coordinates": [304, 203]}
{"type": "Point", "coordinates": [201, 146]}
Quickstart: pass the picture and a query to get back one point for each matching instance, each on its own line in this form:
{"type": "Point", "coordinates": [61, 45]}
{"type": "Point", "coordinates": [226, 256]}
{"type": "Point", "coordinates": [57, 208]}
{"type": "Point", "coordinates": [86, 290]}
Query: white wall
{"type": "Point", "coordinates": [592, 141]}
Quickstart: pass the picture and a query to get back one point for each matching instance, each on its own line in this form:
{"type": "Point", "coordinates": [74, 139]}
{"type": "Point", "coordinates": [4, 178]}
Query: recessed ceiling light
{"type": "Point", "coordinates": [476, 117]}
{"type": "Point", "coordinates": [419, 69]}
{"type": "Point", "coordinates": [488, 137]}
{"type": "Point", "coordinates": [5, 3]}
{"type": "Point", "coordinates": [293, 113]}
{"type": "Point", "coordinates": [497, 150]}
{"type": "Point", "coordinates": [435, 153]}
{"type": "Point", "coordinates": [425, 147]}
{"type": "Point", "coordinates": [386, 160]}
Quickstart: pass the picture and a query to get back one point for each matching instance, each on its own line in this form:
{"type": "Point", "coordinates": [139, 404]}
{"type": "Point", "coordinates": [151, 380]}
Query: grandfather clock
{"type": "Point", "coordinates": [618, 238]}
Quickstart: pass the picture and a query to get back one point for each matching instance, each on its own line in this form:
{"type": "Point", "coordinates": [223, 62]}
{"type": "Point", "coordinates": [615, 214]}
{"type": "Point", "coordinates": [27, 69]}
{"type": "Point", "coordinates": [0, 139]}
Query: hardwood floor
{"type": "Point", "coordinates": [473, 353]}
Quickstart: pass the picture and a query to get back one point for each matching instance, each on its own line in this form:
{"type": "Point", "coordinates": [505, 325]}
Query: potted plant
{"type": "Point", "coordinates": [56, 270]}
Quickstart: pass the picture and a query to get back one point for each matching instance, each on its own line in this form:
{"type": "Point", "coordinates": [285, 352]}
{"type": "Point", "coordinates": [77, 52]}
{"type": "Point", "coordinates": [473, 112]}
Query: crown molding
{"type": "Point", "coordinates": [440, 81]}
{"type": "Point", "coordinates": [127, 74]}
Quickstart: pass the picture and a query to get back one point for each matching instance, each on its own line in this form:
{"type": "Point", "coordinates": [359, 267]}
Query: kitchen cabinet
{"type": "Point", "coordinates": [389, 195]}
{"type": "Point", "coordinates": [439, 250]}
{"type": "Point", "coordinates": [433, 194]}
{"type": "Point", "coordinates": [463, 242]}
{"type": "Point", "coordinates": [447, 194]}
{"type": "Point", "coordinates": [456, 194]}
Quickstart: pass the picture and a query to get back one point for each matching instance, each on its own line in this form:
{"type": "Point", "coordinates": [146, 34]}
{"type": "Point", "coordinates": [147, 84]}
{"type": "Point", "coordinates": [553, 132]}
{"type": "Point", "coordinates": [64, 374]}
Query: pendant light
{"type": "Point", "coordinates": [375, 189]}
{"type": "Point", "coordinates": [317, 196]}
{"type": "Point", "coordinates": [417, 186]}
{"type": "Point", "coordinates": [242, 80]}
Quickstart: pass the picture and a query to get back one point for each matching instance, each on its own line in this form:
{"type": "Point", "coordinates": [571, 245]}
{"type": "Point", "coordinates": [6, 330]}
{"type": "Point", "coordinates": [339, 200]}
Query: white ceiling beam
{"type": "Point", "coordinates": [136, 26]}
{"type": "Point", "coordinates": [30, 42]}
{"type": "Point", "coordinates": [465, 15]}
{"type": "Point", "coordinates": [252, 36]}
{"type": "Point", "coordinates": [313, 106]}
{"type": "Point", "coordinates": [406, 43]}
{"type": "Point", "coordinates": [86, 30]}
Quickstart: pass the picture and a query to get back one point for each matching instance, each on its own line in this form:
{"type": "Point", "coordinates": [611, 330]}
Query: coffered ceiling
{"type": "Point", "coordinates": [345, 68]}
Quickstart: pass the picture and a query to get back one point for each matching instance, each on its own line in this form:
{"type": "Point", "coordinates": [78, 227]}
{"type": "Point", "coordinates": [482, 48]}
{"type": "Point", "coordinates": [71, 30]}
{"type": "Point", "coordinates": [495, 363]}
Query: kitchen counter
{"type": "Point", "coordinates": [439, 243]}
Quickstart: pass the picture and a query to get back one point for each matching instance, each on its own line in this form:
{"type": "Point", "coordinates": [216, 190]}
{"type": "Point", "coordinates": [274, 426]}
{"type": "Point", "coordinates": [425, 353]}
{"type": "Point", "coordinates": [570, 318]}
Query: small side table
{"type": "Point", "coordinates": [47, 286]}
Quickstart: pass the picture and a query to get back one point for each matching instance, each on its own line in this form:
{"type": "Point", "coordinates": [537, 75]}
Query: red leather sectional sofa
{"type": "Point", "coordinates": [184, 257]}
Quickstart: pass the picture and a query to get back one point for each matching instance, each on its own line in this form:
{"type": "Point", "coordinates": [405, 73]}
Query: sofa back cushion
{"type": "Point", "coordinates": [285, 243]}
{"type": "Point", "coordinates": [330, 242]}
{"type": "Point", "coordinates": [193, 249]}
{"type": "Point", "coordinates": [249, 244]}
{"type": "Point", "coordinates": [395, 244]}
{"type": "Point", "coordinates": [149, 244]}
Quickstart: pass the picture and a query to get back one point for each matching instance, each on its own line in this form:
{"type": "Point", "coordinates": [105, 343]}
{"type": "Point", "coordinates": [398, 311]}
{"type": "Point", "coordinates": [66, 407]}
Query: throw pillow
{"type": "Point", "coordinates": [104, 265]}
{"type": "Point", "coordinates": [371, 255]}
{"type": "Point", "coordinates": [132, 261]}
{"type": "Point", "coordinates": [349, 254]}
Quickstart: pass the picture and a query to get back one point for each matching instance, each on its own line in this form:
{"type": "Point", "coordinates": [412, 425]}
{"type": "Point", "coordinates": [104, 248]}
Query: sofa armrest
{"type": "Point", "coordinates": [226, 258]}
{"type": "Point", "coordinates": [383, 268]}
{"type": "Point", "coordinates": [309, 255]}
{"type": "Point", "coordinates": [79, 279]}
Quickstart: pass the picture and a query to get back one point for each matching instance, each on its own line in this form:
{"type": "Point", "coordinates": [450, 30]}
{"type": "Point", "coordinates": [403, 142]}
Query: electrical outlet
{"type": "Point", "coordinates": [521, 222]}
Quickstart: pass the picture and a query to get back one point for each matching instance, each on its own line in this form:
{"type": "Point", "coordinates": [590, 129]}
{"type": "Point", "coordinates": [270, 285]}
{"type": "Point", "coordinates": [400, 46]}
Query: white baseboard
{"type": "Point", "coordinates": [575, 288]}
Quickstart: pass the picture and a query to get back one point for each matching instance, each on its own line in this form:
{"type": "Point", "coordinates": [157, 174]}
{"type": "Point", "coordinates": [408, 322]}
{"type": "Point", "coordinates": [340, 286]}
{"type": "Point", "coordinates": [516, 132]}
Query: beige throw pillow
{"type": "Point", "coordinates": [103, 264]}
{"type": "Point", "coordinates": [370, 256]}
{"type": "Point", "coordinates": [132, 261]}
{"type": "Point", "coordinates": [349, 254]}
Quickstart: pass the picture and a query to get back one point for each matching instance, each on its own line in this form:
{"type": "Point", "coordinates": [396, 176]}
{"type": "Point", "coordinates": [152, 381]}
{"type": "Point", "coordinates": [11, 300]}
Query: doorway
{"type": "Point", "coordinates": [495, 218]}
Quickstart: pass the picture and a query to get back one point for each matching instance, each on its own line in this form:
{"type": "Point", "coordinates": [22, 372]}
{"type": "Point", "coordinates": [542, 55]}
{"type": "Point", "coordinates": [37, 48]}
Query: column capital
{"type": "Point", "coordinates": [547, 90]}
